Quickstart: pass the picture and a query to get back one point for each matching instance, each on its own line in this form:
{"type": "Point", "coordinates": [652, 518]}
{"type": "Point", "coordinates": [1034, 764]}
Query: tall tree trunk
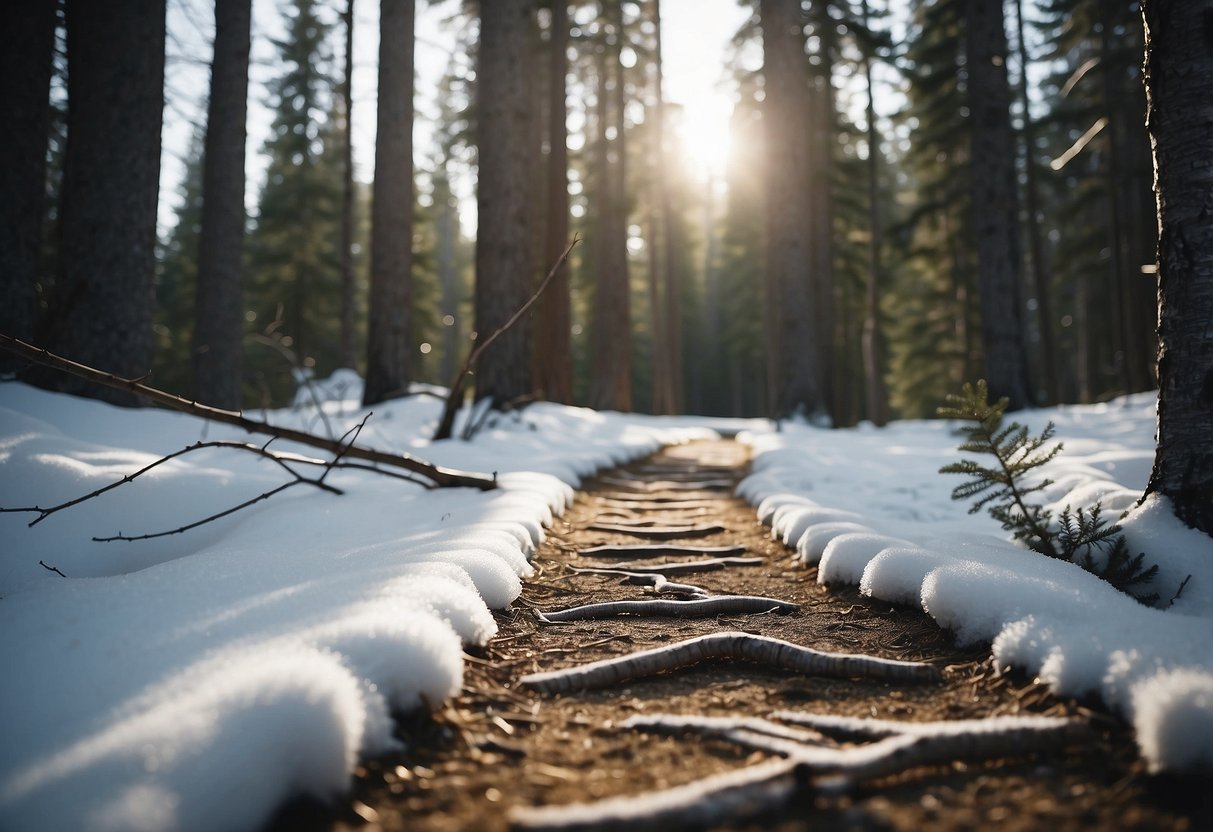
{"type": "Point", "coordinates": [611, 385]}
{"type": "Point", "coordinates": [821, 215]}
{"type": "Point", "coordinates": [994, 203]}
{"type": "Point", "coordinates": [503, 239]}
{"type": "Point", "coordinates": [446, 228]}
{"type": "Point", "coordinates": [786, 116]}
{"type": "Point", "coordinates": [876, 399]}
{"type": "Point", "coordinates": [671, 294]}
{"type": "Point", "coordinates": [219, 322]}
{"type": "Point", "coordinates": [553, 347]}
{"type": "Point", "coordinates": [349, 349]}
{"type": "Point", "coordinates": [101, 313]}
{"type": "Point", "coordinates": [1040, 276]}
{"type": "Point", "coordinates": [27, 45]}
{"type": "Point", "coordinates": [389, 339]}
{"type": "Point", "coordinates": [1179, 85]}
{"type": "Point", "coordinates": [1127, 354]}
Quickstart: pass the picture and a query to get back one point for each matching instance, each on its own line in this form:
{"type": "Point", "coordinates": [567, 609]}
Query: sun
{"type": "Point", "coordinates": [701, 133]}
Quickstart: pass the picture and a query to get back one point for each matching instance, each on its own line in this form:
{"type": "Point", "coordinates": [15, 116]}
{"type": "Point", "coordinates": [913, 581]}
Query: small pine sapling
{"type": "Point", "coordinates": [1083, 537]}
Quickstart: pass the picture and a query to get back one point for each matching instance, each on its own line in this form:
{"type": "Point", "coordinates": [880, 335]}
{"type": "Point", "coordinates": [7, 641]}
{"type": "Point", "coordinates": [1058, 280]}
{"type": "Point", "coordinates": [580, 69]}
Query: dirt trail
{"type": "Point", "coordinates": [499, 746]}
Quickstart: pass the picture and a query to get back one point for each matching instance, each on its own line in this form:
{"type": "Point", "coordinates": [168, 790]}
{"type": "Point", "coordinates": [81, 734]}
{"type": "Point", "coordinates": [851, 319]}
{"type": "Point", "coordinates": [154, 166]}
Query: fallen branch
{"type": "Point", "coordinates": [770, 785]}
{"type": "Point", "coordinates": [712, 801]}
{"type": "Point", "coordinates": [644, 550]}
{"type": "Point", "coordinates": [772, 652]}
{"type": "Point", "coordinates": [664, 586]}
{"type": "Point", "coordinates": [455, 396]}
{"type": "Point", "coordinates": [722, 726]}
{"type": "Point", "coordinates": [699, 608]}
{"type": "Point", "coordinates": [443, 477]}
{"type": "Point", "coordinates": [642, 502]}
{"type": "Point", "coordinates": [259, 450]}
{"type": "Point", "coordinates": [677, 568]}
{"type": "Point", "coordinates": [644, 486]}
{"type": "Point", "coordinates": [297, 479]}
{"type": "Point", "coordinates": [658, 532]}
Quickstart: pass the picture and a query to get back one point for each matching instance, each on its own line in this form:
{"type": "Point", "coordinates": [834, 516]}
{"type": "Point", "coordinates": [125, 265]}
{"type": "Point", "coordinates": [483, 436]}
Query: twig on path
{"type": "Point", "coordinates": [772, 652]}
{"type": "Point", "coordinates": [658, 532]}
{"type": "Point", "coordinates": [698, 608]}
{"type": "Point", "coordinates": [676, 568]}
{"type": "Point", "coordinates": [711, 801]}
{"type": "Point", "coordinates": [646, 550]}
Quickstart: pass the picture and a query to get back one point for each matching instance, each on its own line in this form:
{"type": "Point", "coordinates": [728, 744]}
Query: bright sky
{"type": "Point", "coordinates": [696, 42]}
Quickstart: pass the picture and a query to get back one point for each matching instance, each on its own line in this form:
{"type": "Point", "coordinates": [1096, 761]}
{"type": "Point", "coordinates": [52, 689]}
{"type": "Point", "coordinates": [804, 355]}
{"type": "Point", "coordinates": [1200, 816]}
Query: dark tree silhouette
{"type": "Point", "coordinates": [101, 312]}
{"type": "Point", "coordinates": [388, 337]}
{"type": "Point", "coordinates": [1179, 86]}
{"type": "Point", "coordinates": [219, 325]}
{"type": "Point", "coordinates": [27, 43]}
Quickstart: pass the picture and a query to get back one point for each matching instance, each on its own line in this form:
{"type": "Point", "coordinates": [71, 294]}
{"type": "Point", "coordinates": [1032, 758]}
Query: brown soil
{"type": "Point", "coordinates": [497, 746]}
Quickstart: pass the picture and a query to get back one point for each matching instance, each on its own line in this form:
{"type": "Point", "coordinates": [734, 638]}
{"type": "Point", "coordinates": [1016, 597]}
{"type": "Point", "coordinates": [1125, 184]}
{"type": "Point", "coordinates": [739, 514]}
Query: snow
{"type": "Point", "coordinates": [868, 508]}
{"type": "Point", "coordinates": [197, 681]}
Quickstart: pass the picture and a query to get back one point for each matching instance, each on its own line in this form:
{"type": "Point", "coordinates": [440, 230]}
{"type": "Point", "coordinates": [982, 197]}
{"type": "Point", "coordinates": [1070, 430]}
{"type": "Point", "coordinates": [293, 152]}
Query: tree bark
{"type": "Point", "coordinates": [611, 385]}
{"type": "Point", "coordinates": [101, 313]}
{"type": "Point", "coordinates": [788, 200]}
{"type": "Point", "coordinates": [219, 322]}
{"type": "Point", "coordinates": [1179, 86]}
{"type": "Point", "coordinates": [670, 292]}
{"type": "Point", "coordinates": [994, 203]}
{"type": "Point", "coordinates": [1036, 249]}
{"type": "Point", "coordinates": [875, 396]}
{"type": "Point", "coordinates": [388, 353]}
{"type": "Point", "coordinates": [553, 347]}
{"type": "Point", "coordinates": [503, 239]}
{"type": "Point", "coordinates": [27, 45]}
{"type": "Point", "coordinates": [349, 287]}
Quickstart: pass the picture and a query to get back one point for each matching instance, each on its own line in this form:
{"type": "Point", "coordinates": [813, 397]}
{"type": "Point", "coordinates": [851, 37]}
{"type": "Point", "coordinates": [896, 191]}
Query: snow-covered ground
{"type": "Point", "coordinates": [869, 508]}
{"type": "Point", "coordinates": [195, 681]}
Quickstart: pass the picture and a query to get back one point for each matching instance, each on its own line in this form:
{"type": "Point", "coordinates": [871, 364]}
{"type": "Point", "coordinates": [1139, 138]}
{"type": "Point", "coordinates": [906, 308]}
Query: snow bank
{"type": "Point", "coordinates": [196, 681]}
{"type": "Point", "coordinates": [869, 508]}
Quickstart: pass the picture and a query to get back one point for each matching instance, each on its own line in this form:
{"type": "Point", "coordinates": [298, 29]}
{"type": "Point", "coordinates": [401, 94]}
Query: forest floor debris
{"type": "Point", "coordinates": [499, 750]}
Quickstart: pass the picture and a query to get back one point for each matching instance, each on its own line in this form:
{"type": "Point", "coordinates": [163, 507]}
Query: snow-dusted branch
{"type": "Point", "coordinates": [805, 759]}
{"type": "Point", "coordinates": [696, 608]}
{"type": "Point", "coordinates": [439, 476]}
{"type": "Point", "coordinates": [659, 532]}
{"type": "Point", "coordinates": [772, 652]}
{"type": "Point", "coordinates": [646, 550]}
{"type": "Point", "coordinates": [677, 568]}
{"type": "Point", "coordinates": [711, 801]}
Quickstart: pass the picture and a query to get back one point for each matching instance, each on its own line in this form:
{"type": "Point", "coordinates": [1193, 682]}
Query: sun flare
{"type": "Point", "coordinates": [702, 131]}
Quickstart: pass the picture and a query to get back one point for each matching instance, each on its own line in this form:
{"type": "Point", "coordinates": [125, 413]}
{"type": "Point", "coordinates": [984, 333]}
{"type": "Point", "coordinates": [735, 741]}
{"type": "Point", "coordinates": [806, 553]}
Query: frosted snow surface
{"type": "Point", "coordinates": [867, 507]}
{"type": "Point", "coordinates": [195, 682]}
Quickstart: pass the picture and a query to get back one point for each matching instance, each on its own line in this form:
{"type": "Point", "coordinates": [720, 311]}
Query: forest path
{"type": "Point", "coordinates": [499, 747]}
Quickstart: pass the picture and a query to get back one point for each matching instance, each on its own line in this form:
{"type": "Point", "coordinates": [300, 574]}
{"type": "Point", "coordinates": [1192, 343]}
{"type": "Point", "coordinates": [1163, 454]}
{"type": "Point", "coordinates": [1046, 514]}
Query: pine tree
{"type": "Point", "coordinates": [177, 280]}
{"type": "Point", "coordinates": [294, 259]}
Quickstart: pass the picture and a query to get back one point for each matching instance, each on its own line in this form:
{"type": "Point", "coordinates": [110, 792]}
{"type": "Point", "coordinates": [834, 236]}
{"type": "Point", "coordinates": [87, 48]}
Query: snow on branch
{"type": "Point", "coordinates": [772, 652]}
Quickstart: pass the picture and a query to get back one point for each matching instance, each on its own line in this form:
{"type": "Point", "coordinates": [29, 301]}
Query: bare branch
{"type": "Point", "coordinates": [455, 396]}
{"type": "Point", "coordinates": [443, 477]}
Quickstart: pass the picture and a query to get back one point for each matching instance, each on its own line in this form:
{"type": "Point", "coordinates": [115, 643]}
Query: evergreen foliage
{"type": "Point", "coordinates": [1081, 536]}
{"type": "Point", "coordinates": [294, 286]}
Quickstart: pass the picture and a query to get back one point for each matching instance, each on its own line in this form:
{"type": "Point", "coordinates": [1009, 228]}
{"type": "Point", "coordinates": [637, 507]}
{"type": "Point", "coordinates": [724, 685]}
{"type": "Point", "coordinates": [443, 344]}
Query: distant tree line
{"type": "Point", "coordinates": [860, 264]}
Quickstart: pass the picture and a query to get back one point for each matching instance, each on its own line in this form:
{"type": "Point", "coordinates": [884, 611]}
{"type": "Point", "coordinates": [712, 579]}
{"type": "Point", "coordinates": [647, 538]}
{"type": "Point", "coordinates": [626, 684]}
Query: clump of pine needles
{"type": "Point", "coordinates": [1083, 536]}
